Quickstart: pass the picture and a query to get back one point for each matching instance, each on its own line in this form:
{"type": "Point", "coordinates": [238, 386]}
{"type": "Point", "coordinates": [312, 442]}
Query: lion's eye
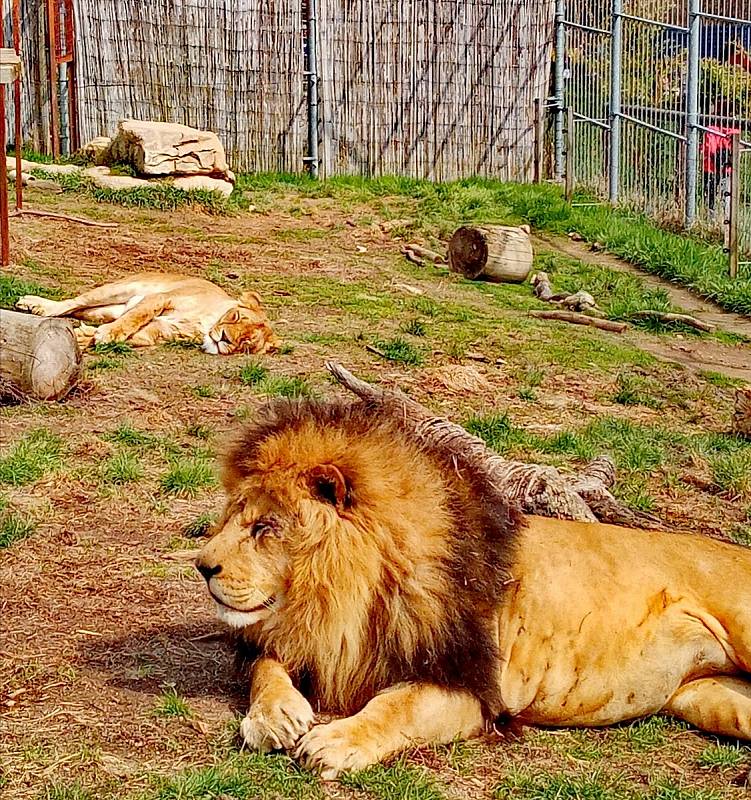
{"type": "Point", "coordinates": [259, 528]}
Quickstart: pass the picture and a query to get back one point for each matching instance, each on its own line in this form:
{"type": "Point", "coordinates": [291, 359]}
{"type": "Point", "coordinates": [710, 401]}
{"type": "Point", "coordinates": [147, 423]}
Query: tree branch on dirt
{"type": "Point", "coordinates": [685, 319]}
{"type": "Point", "coordinates": [80, 220]}
{"type": "Point", "coordinates": [536, 489]}
{"type": "Point", "coordinates": [581, 319]}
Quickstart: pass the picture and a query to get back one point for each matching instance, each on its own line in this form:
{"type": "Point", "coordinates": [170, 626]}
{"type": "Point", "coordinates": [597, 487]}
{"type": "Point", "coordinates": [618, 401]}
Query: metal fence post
{"type": "Point", "coordinates": [733, 203]}
{"type": "Point", "coordinates": [692, 109]}
{"type": "Point", "coordinates": [569, 156]}
{"type": "Point", "coordinates": [311, 73]}
{"type": "Point", "coordinates": [616, 55]}
{"type": "Point", "coordinates": [560, 79]}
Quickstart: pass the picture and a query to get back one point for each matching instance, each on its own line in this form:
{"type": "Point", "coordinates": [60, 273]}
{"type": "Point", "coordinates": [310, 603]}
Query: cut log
{"type": "Point", "coordinates": [493, 252]}
{"type": "Point", "coordinates": [536, 489]}
{"type": "Point", "coordinates": [39, 356]}
{"type": "Point", "coordinates": [581, 319]}
{"type": "Point", "coordinates": [742, 416]}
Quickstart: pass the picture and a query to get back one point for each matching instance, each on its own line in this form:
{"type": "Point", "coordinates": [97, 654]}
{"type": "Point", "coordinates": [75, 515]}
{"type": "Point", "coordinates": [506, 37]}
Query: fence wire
{"type": "Point", "coordinates": [658, 87]}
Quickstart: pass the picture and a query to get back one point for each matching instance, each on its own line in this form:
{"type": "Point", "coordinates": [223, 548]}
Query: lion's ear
{"type": "Point", "coordinates": [251, 300]}
{"type": "Point", "coordinates": [328, 484]}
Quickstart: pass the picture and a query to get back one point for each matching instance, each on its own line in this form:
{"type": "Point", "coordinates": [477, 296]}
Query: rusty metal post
{"type": "Point", "coordinates": [17, 102]}
{"type": "Point", "coordinates": [733, 204]}
{"type": "Point", "coordinates": [53, 69]}
{"type": "Point", "coordinates": [70, 47]}
{"type": "Point", "coordinates": [4, 232]}
{"type": "Point", "coordinates": [569, 155]}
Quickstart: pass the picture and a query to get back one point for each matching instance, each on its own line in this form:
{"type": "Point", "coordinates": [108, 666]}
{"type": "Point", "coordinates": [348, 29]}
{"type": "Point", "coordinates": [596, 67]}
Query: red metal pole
{"type": "Point", "coordinates": [4, 233]}
{"type": "Point", "coordinates": [17, 102]}
{"type": "Point", "coordinates": [70, 37]}
{"type": "Point", "coordinates": [53, 67]}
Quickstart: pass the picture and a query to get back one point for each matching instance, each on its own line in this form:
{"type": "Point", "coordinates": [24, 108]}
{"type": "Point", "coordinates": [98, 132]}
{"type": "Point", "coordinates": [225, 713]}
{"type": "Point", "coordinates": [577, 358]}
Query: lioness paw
{"type": "Point", "coordinates": [330, 750]}
{"type": "Point", "coordinates": [276, 726]}
{"type": "Point", "coordinates": [37, 305]}
{"type": "Point", "coordinates": [104, 334]}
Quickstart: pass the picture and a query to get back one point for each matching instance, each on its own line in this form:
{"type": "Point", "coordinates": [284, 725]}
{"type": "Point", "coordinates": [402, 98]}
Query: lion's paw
{"type": "Point", "coordinates": [37, 305]}
{"type": "Point", "coordinates": [104, 334]}
{"type": "Point", "coordinates": [277, 727]}
{"type": "Point", "coordinates": [330, 750]}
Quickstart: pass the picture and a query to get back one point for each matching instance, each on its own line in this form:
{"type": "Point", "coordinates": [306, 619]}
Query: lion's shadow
{"type": "Point", "coordinates": [195, 658]}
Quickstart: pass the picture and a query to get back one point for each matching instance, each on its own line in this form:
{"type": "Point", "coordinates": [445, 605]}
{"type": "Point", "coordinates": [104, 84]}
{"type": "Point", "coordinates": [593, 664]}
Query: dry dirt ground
{"type": "Point", "coordinates": [115, 679]}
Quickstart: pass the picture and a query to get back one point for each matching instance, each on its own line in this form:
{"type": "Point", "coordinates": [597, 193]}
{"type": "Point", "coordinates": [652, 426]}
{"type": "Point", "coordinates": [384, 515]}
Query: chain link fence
{"type": "Point", "coordinates": [661, 94]}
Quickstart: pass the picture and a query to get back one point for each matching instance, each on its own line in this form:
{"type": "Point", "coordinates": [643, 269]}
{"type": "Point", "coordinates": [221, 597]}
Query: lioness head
{"type": "Point", "coordinates": [243, 329]}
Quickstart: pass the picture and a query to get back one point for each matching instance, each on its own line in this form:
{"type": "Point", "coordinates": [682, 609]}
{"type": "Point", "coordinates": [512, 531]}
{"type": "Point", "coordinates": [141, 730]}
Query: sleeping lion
{"type": "Point", "coordinates": [153, 307]}
{"type": "Point", "coordinates": [391, 579]}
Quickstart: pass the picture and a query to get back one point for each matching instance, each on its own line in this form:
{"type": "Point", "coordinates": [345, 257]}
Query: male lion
{"type": "Point", "coordinates": [396, 583]}
{"type": "Point", "coordinates": [152, 307]}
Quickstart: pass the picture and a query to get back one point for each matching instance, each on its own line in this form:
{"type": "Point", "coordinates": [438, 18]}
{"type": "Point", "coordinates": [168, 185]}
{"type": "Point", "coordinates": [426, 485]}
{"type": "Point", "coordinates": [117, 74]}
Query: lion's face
{"type": "Point", "coordinates": [243, 329]}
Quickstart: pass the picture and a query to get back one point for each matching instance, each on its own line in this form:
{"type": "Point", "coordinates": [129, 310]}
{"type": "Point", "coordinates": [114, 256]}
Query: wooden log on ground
{"type": "Point", "coordinates": [39, 356]}
{"type": "Point", "coordinates": [535, 488]}
{"type": "Point", "coordinates": [492, 252]}
{"type": "Point", "coordinates": [685, 319]}
{"type": "Point", "coordinates": [742, 415]}
{"type": "Point", "coordinates": [581, 319]}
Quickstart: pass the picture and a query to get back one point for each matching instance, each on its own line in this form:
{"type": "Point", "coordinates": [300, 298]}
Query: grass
{"type": "Point", "coordinates": [121, 468]}
{"type": "Point", "coordinates": [113, 349]}
{"type": "Point", "coordinates": [397, 781]}
{"type": "Point", "coordinates": [723, 756]}
{"type": "Point", "coordinates": [203, 391]}
{"type": "Point", "coordinates": [12, 288]}
{"type": "Point", "coordinates": [200, 526]}
{"type": "Point", "coordinates": [69, 791]}
{"type": "Point", "coordinates": [252, 373]}
{"type": "Point", "coordinates": [242, 777]}
{"type": "Point", "coordinates": [170, 704]}
{"type": "Point", "coordinates": [37, 453]}
{"type": "Point", "coordinates": [187, 476]}
{"type": "Point", "coordinates": [731, 473]}
{"type": "Point", "coordinates": [128, 435]}
{"type": "Point", "coordinates": [14, 528]}
{"type": "Point", "coordinates": [400, 351]}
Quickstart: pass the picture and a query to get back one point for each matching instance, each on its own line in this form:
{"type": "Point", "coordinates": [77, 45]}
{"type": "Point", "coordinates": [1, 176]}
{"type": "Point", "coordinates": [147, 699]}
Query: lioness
{"type": "Point", "coordinates": [396, 583]}
{"type": "Point", "coordinates": [152, 307]}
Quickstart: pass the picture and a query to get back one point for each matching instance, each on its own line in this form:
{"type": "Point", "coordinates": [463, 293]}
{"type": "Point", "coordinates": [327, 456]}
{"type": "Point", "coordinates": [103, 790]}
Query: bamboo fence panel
{"type": "Point", "coordinates": [437, 90]}
{"type": "Point", "coordinates": [441, 89]}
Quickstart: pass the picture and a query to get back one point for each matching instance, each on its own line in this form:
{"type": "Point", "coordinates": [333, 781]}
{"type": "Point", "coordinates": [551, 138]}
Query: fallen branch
{"type": "Point", "coordinates": [66, 217]}
{"type": "Point", "coordinates": [536, 489]}
{"type": "Point", "coordinates": [581, 319]}
{"type": "Point", "coordinates": [685, 319]}
{"type": "Point", "coordinates": [424, 253]}
{"type": "Point", "coordinates": [579, 301]}
{"type": "Point", "coordinates": [410, 255]}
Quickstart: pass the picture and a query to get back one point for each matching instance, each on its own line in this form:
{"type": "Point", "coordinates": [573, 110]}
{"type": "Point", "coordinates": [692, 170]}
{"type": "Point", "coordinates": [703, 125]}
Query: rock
{"type": "Point", "coordinates": [204, 182]}
{"type": "Point", "coordinates": [164, 148]}
{"type": "Point", "coordinates": [102, 176]}
{"type": "Point", "coordinates": [97, 150]}
{"type": "Point", "coordinates": [53, 169]}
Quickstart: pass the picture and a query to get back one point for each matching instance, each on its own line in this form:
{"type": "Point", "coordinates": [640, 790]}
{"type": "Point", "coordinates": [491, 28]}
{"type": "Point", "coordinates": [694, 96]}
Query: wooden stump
{"type": "Point", "coordinates": [742, 416]}
{"type": "Point", "coordinates": [492, 252]}
{"type": "Point", "coordinates": [39, 356]}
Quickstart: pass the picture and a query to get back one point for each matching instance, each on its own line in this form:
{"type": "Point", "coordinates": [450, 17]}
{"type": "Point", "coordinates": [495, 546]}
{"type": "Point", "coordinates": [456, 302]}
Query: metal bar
{"type": "Point", "coordinates": [616, 54]}
{"type": "Point", "coordinates": [312, 74]}
{"type": "Point", "coordinates": [539, 154]}
{"type": "Point", "coordinates": [656, 23]}
{"type": "Point", "coordinates": [651, 127]}
{"type": "Point", "coordinates": [4, 231]}
{"type": "Point", "coordinates": [569, 182]}
{"type": "Point", "coordinates": [733, 204]}
{"type": "Point", "coordinates": [17, 103]}
{"type": "Point", "coordinates": [52, 61]}
{"type": "Point", "coordinates": [692, 110]}
{"type": "Point", "coordinates": [70, 44]}
{"type": "Point", "coordinates": [571, 24]}
{"type": "Point", "coordinates": [722, 18]}
{"type": "Point", "coordinates": [598, 122]}
{"type": "Point", "coordinates": [560, 79]}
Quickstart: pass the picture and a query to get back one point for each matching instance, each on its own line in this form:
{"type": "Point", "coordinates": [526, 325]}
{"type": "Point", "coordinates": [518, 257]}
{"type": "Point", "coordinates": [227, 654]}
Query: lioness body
{"type": "Point", "coordinates": [407, 592]}
{"type": "Point", "coordinates": [152, 307]}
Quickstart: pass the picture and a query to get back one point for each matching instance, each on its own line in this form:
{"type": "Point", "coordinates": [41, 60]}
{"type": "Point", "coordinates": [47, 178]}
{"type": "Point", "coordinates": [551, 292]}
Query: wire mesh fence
{"type": "Point", "coordinates": [658, 88]}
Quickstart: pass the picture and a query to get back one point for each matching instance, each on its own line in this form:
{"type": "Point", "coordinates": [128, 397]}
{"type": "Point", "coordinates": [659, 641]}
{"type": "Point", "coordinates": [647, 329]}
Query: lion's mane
{"type": "Point", "coordinates": [400, 583]}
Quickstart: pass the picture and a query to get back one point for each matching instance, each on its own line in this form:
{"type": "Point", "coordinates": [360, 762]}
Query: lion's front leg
{"type": "Point", "coordinates": [399, 717]}
{"type": "Point", "coordinates": [133, 320]}
{"type": "Point", "coordinates": [279, 715]}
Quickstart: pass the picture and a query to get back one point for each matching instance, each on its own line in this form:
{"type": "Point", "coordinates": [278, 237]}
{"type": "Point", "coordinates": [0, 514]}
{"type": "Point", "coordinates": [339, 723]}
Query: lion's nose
{"type": "Point", "coordinates": [208, 572]}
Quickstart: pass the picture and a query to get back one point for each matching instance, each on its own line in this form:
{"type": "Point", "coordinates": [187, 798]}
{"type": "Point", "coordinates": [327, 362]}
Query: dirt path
{"type": "Point", "coordinates": [702, 354]}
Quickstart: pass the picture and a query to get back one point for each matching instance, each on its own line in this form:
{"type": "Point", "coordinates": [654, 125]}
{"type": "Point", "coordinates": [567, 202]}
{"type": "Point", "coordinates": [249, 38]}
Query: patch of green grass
{"type": "Point", "coordinates": [203, 391]}
{"type": "Point", "coordinates": [199, 526]}
{"type": "Point", "coordinates": [187, 476]}
{"type": "Point", "coordinates": [69, 791]}
{"type": "Point", "coordinates": [121, 468]}
{"type": "Point", "coordinates": [242, 777]}
{"type": "Point", "coordinates": [721, 381]}
{"type": "Point", "coordinates": [104, 363]}
{"type": "Point", "coordinates": [170, 704]}
{"type": "Point", "coordinates": [396, 781]}
{"type": "Point", "coordinates": [198, 431]}
{"type": "Point", "coordinates": [284, 386]}
{"type": "Point", "coordinates": [740, 534]}
{"type": "Point", "coordinates": [14, 528]}
{"type": "Point", "coordinates": [525, 785]}
{"type": "Point", "coordinates": [636, 390]}
{"type": "Point", "coordinates": [648, 733]}
{"type": "Point", "coordinates": [723, 756]}
{"type": "Point", "coordinates": [731, 473]}
{"type": "Point", "coordinates": [252, 373]}
{"type": "Point", "coordinates": [128, 435]}
{"type": "Point", "coordinates": [497, 431]}
{"type": "Point", "coordinates": [35, 454]}
{"type": "Point", "coordinates": [400, 351]}
{"type": "Point", "coordinates": [414, 327]}
{"type": "Point", "coordinates": [12, 288]}
{"type": "Point", "coordinates": [113, 349]}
